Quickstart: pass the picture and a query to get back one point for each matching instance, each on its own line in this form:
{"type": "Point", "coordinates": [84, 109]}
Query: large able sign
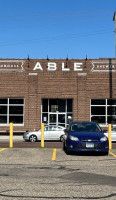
{"type": "Point", "coordinates": [52, 66]}
{"type": "Point", "coordinates": [11, 65]}
{"type": "Point", "coordinates": [96, 66]}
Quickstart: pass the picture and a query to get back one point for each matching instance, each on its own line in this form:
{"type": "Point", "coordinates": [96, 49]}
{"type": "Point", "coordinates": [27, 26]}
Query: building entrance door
{"type": "Point", "coordinates": [57, 111]}
{"type": "Point", "coordinates": [58, 119]}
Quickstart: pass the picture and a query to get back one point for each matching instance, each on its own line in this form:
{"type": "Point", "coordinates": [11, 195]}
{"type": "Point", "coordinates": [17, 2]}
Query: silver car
{"type": "Point", "coordinates": [113, 134]}
{"type": "Point", "coordinates": [50, 133]}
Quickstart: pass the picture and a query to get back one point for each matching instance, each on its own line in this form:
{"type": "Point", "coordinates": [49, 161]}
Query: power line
{"type": "Point", "coordinates": [59, 15]}
{"type": "Point", "coordinates": [53, 38]}
{"type": "Point", "coordinates": [82, 21]}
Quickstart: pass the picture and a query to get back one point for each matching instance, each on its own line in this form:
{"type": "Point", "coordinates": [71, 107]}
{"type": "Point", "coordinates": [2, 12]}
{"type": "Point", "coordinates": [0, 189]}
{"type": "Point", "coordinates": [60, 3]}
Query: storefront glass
{"type": "Point", "coordinates": [57, 111]}
{"type": "Point", "coordinates": [11, 110]}
{"type": "Point", "coordinates": [103, 111]}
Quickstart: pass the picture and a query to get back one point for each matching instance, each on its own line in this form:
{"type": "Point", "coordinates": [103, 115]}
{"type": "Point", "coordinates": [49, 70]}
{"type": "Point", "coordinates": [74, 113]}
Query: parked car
{"type": "Point", "coordinates": [50, 133]}
{"type": "Point", "coordinates": [85, 136]}
{"type": "Point", "coordinates": [113, 134]}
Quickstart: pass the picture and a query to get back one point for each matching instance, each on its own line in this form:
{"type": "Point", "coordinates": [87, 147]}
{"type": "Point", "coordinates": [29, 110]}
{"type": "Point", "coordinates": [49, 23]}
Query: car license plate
{"type": "Point", "coordinates": [89, 145]}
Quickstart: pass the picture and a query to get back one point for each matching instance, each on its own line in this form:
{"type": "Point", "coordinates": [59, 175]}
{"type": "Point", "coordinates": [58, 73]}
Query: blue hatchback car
{"type": "Point", "coordinates": [85, 136]}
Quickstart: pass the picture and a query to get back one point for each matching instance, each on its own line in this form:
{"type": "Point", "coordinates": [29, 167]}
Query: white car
{"type": "Point", "coordinates": [50, 133]}
{"type": "Point", "coordinates": [113, 134]}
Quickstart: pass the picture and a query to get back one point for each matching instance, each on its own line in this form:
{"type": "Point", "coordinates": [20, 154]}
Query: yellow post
{"type": "Point", "coordinates": [11, 135]}
{"type": "Point", "coordinates": [42, 134]}
{"type": "Point", "coordinates": [54, 155]}
{"type": "Point", "coordinates": [109, 136]}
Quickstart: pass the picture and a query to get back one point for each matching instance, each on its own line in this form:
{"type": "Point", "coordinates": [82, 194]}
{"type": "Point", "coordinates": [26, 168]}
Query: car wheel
{"type": "Point", "coordinates": [67, 151]}
{"type": "Point", "coordinates": [33, 138]}
{"type": "Point", "coordinates": [64, 147]}
{"type": "Point", "coordinates": [61, 138]}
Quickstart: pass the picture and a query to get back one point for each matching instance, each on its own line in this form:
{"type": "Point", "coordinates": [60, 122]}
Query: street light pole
{"type": "Point", "coordinates": [114, 19]}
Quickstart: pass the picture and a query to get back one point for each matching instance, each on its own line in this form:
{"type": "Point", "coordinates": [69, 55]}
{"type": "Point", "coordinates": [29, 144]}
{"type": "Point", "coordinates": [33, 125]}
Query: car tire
{"type": "Point", "coordinates": [64, 147]}
{"type": "Point", "coordinates": [33, 138]}
{"type": "Point", "coordinates": [61, 138]}
{"type": "Point", "coordinates": [67, 151]}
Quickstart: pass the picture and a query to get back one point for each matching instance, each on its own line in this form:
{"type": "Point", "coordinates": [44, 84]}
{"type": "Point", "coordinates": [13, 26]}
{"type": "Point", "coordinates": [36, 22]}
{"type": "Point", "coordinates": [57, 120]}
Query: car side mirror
{"type": "Point", "coordinates": [104, 130]}
{"type": "Point", "coordinates": [66, 130]}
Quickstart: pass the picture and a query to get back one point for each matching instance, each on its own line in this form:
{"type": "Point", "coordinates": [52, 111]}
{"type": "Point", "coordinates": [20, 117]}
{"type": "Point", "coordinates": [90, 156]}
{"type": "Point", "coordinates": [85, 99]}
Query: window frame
{"type": "Point", "coordinates": [106, 105]}
{"type": "Point", "coordinates": [8, 114]}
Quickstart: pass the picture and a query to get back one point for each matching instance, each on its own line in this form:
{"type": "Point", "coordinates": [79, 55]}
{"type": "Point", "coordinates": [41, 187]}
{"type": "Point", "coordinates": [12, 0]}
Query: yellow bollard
{"type": "Point", "coordinates": [11, 135]}
{"type": "Point", "coordinates": [54, 155]}
{"type": "Point", "coordinates": [109, 136]}
{"type": "Point", "coordinates": [42, 135]}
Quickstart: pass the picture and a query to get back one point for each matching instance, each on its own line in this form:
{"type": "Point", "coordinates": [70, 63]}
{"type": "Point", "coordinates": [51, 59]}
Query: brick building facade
{"type": "Point", "coordinates": [56, 91]}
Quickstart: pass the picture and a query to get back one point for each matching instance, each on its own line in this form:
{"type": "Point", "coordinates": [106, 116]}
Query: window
{"type": "Point", "coordinates": [85, 127]}
{"type": "Point", "coordinates": [103, 111]}
{"type": "Point", "coordinates": [11, 110]}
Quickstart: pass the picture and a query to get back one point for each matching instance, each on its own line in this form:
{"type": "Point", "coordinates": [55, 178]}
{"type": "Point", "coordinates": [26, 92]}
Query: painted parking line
{"type": "Point", "coordinates": [54, 155]}
{"type": "Point", "coordinates": [112, 154]}
{"type": "Point", "coordinates": [3, 149]}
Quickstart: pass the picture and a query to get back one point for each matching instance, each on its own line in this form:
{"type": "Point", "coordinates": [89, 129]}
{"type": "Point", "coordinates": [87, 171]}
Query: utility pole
{"type": "Point", "coordinates": [114, 19]}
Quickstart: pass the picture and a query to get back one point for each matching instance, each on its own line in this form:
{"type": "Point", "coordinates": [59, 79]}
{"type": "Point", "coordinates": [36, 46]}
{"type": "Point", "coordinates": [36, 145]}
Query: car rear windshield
{"type": "Point", "coordinates": [85, 127]}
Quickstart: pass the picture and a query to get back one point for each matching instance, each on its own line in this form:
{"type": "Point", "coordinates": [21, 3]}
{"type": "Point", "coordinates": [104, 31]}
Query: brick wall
{"type": "Point", "coordinates": [33, 86]}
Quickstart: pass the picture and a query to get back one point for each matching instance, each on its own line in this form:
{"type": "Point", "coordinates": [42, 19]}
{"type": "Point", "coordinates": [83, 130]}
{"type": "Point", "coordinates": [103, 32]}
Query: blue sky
{"type": "Point", "coordinates": [57, 28]}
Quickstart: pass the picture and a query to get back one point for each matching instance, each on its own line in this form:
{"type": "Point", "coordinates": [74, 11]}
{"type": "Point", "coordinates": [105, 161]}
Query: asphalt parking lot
{"type": "Point", "coordinates": [33, 173]}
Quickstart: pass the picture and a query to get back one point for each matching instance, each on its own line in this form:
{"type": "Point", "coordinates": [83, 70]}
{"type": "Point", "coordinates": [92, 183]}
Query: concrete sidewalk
{"type": "Point", "coordinates": [15, 138]}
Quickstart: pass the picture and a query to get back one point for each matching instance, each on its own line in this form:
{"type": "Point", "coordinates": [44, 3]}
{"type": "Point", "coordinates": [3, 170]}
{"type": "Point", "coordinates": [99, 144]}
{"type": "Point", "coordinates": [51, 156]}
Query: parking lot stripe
{"type": "Point", "coordinates": [112, 154]}
{"type": "Point", "coordinates": [54, 155]}
{"type": "Point", "coordinates": [3, 149]}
